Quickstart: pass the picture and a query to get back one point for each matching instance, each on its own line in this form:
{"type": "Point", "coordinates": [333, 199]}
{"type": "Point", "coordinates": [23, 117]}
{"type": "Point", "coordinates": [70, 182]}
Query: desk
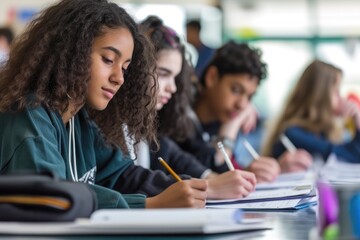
{"type": "Point", "coordinates": [286, 226]}
{"type": "Point", "coordinates": [290, 225]}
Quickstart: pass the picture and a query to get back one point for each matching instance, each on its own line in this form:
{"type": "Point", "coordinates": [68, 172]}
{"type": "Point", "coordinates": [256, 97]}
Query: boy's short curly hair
{"type": "Point", "coordinates": [237, 58]}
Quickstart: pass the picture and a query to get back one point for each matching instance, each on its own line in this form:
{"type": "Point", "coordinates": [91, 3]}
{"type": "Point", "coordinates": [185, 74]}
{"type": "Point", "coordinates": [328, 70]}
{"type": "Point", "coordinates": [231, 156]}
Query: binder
{"type": "Point", "coordinates": [145, 222]}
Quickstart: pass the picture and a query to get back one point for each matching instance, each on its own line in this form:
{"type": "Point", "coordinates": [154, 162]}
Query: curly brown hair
{"type": "Point", "coordinates": [174, 122]}
{"type": "Point", "coordinates": [51, 61]}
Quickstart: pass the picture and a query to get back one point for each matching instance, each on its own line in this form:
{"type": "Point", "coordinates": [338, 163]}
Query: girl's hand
{"type": "Point", "coordinates": [266, 169]}
{"type": "Point", "coordinates": [231, 184]}
{"type": "Point", "coordinates": [184, 194]}
{"type": "Point", "coordinates": [299, 160]}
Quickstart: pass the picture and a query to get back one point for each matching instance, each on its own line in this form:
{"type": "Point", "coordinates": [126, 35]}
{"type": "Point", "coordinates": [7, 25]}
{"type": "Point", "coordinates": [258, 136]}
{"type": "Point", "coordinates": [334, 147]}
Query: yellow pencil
{"type": "Point", "coordinates": [169, 169]}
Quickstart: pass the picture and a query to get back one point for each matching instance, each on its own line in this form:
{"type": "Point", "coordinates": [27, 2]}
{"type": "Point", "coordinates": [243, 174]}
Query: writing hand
{"type": "Point", "coordinates": [184, 194]}
{"type": "Point", "coordinates": [231, 184]}
{"type": "Point", "coordinates": [299, 160]}
{"type": "Point", "coordinates": [266, 169]}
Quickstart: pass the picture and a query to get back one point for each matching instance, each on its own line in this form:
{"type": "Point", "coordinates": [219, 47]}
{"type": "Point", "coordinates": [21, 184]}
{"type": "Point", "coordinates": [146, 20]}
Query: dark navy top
{"type": "Point", "coordinates": [318, 145]}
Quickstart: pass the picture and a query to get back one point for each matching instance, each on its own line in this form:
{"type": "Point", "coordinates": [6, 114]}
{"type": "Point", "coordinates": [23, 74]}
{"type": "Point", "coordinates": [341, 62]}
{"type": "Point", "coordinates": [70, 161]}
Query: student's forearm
{"type": "Point", "coordinates": [229, 132]}
{"type": "Point", "coordinates": [246, 120]}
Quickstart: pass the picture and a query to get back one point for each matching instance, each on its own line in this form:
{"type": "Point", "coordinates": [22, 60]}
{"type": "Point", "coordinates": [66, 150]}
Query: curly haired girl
{"type": "Point", "coordinates": [81, 70]}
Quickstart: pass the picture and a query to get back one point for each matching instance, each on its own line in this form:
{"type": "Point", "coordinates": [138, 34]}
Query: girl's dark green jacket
{"type": "Point", "coordinates": [37, 140]}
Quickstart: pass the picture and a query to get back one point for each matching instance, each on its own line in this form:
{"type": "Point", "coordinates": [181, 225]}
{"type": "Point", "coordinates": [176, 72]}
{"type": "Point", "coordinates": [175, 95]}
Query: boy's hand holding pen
{"type": "Point", "coordinates": [266, 169]}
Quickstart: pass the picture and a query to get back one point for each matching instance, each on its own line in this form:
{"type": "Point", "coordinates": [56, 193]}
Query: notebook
{"type": "Point", "coordinates": [298, 192]}
{"type": "Point", "coordinates": [283, 205]}
{"type": "Point", "coordinates": [145, 222]}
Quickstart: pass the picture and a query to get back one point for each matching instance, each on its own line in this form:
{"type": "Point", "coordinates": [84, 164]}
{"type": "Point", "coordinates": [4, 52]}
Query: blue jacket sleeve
{"type": "Point", "coordinates": [319, 145]}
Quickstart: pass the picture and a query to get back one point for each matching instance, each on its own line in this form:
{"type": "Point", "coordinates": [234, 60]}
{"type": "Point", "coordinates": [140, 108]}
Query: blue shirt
{"type": "Point", "coordinates": [319, 145]}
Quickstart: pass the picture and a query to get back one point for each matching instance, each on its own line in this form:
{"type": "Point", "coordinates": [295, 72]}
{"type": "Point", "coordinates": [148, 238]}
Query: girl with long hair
{"type": "Point", "coordinates": [173, 102]}
{"type": "Point", "coordinates": [310, 115]}
{"type": "Point", "coordinates": [81, 70]}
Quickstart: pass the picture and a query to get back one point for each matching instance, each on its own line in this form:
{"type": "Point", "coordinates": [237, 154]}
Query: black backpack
{"type": "Point", "coordinates": [42, 197]}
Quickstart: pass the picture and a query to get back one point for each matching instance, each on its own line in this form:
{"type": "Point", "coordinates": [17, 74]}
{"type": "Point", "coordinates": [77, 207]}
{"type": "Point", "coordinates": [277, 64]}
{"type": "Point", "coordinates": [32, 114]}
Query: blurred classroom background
{"type": "Point", "coordinates": [289, 33]}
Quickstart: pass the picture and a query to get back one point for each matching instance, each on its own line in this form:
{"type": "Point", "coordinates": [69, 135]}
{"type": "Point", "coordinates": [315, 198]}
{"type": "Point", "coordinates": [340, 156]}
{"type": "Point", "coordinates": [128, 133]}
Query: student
{"type": "Point", "coordinates": [59, 105]}
{"type": "Point", "coordinates": [309, 117]}
{"type": "Point", "coordinates": [173, 74]}
{"type": "Point", "coordinates": [205, 53]}
{"type": "Point", "coordinates": [222, 107]}
{"type": "Point", "coordinates": [6, 38]}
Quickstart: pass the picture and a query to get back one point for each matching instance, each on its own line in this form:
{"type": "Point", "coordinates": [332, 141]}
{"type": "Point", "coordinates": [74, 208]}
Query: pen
{"type": "Point", "coordinates": [226, 156]}
{"type": "Point", "coordinates": [250, 149]}
{"type": "Point", "coordinates": [287, 143]}
{"type": "Point", "coordinates": [162, 161]}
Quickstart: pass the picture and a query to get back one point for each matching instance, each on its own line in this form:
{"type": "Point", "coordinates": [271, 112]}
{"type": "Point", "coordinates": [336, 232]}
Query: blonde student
{"type": "Point", "coordinates": [173, 74]}
{"type": "Point", "coordinates": [81, 70]}
{"type": "Point", "coordinates": [309, 118]}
